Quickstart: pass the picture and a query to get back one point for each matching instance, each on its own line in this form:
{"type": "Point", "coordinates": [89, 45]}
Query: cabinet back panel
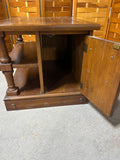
{"type": "Point", "coordinates": [54, 47]}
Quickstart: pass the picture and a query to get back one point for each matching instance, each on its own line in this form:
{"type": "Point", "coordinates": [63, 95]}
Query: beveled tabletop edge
{"type": "Point", "coordinates": [41, 24]}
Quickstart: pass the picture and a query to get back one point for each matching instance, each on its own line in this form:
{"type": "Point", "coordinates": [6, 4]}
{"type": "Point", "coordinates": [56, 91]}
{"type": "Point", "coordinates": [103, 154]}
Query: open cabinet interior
{"type": "Point", "coordinates": [61, 65]}
{"type": "Point", "coordinates": [58, 66]}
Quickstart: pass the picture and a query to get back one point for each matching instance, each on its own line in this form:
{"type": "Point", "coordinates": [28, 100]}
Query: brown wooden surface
{"type": "Point", "coordinates": [87, 32]}
{"type": "Point", "coordinates": [57, 79]}
{"type": "Point", "coordinates": [27, 79]}
{"type": "Point", "coordinates": [24, 55]}
{"type": "Point", "coordinates": [31, 103]}
{"type": "Point", "coordinates": [38, 8]}
{"type": "Point", "coordinates": [57, 8]}
{"type": "Point", "coordinates": [39, 59]}
{"type": "Point", "coordinates": [61, 88]}
{"type": "Point", "coordinates": [42, 8]}
{"type": "Point", "coordinates": [77, 54]}
{"type": "Point", "coordinates": [101, 73]}
{"type": "Point", "coordinates": [94, 11]}
{"type": "Point", "coordinates": [3, 15]}
{"type": "Point", "coordinates": [21, 8]}
{"type": "Point", "coordinates": [8, 71]}
{"type": "Point", "coordinates": [54, 47]}
{"type": "Point", "coordinates": [12, 90]}
{"type": "Point", "coordinates": [47, 24]}
{"type": "Point", "coordinates": [4, 58]}
{"type": "Point", "coordinates": [5, 67]}
{"type": "Point", "coordinates": [114, 23]}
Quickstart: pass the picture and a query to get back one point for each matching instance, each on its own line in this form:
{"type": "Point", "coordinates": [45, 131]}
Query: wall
{"type": "Point", "coordinates": [3, 15]}
{"type": "Point", "coordinates": [24, 8]}
{"type": "Point", "coordinates": [114, 23]}
{"type": "Point", "coordinates": [58, 8]}
{"type": "Point", "coordinates": [95, 11]}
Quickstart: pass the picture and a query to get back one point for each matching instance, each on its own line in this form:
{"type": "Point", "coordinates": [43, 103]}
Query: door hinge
{"type": "Point", "coordinates": [81, 85]}
{"type": "Point", "coordinates": [85, 47]}
{"type": "Point", "coordinates": [116, 46]}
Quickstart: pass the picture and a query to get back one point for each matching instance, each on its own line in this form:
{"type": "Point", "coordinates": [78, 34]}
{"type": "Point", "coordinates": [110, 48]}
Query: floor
{"type": "Point", "coordinates": [78, 132]}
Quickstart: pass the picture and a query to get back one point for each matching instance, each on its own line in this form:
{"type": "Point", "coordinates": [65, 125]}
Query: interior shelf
{"type": "Point", "coordinates": [56, 80]}
{"type": "Point", "coordinates": [24, 55]}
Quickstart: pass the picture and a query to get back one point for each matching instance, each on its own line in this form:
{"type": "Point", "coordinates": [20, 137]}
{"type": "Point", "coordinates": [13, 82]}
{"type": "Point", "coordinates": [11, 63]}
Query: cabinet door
{"type": "Point", "coordinates": [100, 75]}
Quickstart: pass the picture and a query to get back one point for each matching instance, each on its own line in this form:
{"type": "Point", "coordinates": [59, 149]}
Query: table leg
{"type": "Point", "coordinates": [6, 67]}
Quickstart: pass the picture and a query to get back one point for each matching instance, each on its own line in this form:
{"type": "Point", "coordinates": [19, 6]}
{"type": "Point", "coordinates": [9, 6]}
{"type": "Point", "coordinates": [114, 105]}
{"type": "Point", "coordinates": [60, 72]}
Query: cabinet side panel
{"type": "Point", "coordinates": [77, 55]}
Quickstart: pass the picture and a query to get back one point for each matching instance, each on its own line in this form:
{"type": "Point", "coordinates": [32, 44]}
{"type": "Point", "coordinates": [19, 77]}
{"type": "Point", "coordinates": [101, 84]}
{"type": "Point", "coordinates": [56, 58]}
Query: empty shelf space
{"type": "Point", "coordinates": [27, 79]}
{"type": "Point", "coordinates": [58, 79]}
{"type": "Point", "coordinates": [24, 55]}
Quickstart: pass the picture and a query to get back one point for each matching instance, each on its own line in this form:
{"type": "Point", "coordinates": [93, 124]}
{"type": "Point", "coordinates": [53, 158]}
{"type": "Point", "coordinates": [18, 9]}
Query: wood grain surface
{"type": "Point", "coordinates": [94, 11]}
{"type": "Point", "coordinates": [53, 24]}
{"type": "Point", "coordinates": [100, 73]}
{"type": "Point", "coordinates": [113, 33]}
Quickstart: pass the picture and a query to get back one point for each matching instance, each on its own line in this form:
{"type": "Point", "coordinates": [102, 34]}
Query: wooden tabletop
{"type": "Point", "coordinates": [47, 24]}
